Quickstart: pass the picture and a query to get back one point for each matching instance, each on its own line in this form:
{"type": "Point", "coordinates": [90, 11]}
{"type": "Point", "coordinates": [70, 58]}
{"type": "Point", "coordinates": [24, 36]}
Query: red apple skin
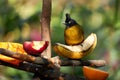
{"type": "Point", "coordinates": [28, 47]}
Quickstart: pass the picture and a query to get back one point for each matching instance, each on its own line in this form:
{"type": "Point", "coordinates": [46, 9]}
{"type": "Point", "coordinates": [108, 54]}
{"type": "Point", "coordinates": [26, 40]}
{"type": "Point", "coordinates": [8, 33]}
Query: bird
{"type": "Point", "coordinates": [77, 51]}
{"type": "Point", "coordinates": [73, 33]}
{"type": "Point", "coordinates": [75, 47]}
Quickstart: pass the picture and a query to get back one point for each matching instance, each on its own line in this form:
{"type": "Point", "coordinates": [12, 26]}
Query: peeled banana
{"type": "Point", "coordinates": [77, 51]}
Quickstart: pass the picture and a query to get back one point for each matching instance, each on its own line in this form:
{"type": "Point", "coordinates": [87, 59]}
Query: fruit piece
{"type": "Point", "coordinates": [94, 74]}
{"type": "Point", "coordinates": [77, 51]}
{"type": "Point", "coordinates": [15, 47]}
{"type": "Point", "coordinates": [35, 47]}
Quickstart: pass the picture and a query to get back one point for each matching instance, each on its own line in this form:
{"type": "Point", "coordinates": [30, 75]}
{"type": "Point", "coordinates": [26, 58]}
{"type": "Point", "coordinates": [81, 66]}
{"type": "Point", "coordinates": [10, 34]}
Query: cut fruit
{"type": "Point", "coordinates": [94, 74]}
{"type": "Point", "coordinates": [14, 47]}
{"type": "Point", "coordinates": [35, 47]}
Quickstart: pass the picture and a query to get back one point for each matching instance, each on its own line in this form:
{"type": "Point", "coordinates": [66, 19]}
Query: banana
{"type": "Point", "coordinates": [14, 47]}
{"type": "Point", "coordinates": [77, 51]}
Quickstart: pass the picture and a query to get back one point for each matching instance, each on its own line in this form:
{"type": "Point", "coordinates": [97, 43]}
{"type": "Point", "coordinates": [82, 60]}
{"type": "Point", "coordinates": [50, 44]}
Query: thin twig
{"type": "Point", "coordinates": [94, 63]}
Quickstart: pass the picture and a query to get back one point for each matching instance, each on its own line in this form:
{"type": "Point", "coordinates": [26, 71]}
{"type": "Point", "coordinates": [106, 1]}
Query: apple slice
{"type": "Point", "coordinates": [35, 47]}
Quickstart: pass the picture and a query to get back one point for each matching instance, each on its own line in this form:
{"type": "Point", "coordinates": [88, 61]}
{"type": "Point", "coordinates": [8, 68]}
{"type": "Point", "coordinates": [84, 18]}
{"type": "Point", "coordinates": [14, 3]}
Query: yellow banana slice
{"type": "Point", "coordinates": [77, 51]}
{"type": "Point", "coordinates": [14, 47]}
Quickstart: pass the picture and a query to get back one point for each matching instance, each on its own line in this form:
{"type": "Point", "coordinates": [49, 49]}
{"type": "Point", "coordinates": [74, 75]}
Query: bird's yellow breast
{"type": "Point", "coordinates": [73, 35]}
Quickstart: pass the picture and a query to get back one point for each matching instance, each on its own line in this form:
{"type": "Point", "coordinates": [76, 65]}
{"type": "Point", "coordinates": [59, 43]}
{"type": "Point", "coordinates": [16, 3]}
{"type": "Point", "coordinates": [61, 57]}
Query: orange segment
{"type": "Point", "coordinates": [15, 47]}
{"type": "Point", "coordinates": [94, 74]}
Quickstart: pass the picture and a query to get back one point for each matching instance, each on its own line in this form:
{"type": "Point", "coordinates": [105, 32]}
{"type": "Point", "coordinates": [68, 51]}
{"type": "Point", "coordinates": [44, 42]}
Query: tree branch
{"type": "Point", "coordinates": [23, 57]}
{"type": "Point", "coordinates": [25, 66]}
{"type": "Point", "coordinates": [52, 61]}
{"type": "Point", "coordinates": [42, 72]}
{"type": "Point", "coordinates": [93, 63]}
{"type": "Point", "coordinates": [45, 25]}
{"type": "Point", "coordinates": [43, 67]}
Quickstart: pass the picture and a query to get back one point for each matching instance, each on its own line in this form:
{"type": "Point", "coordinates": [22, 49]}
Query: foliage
{"type": "Point", "coordinates": [19, 21]}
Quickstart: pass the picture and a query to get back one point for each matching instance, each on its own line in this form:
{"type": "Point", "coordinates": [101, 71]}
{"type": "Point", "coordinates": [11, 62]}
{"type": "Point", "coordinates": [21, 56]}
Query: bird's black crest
{"type": "Point", "coordinates": [68, 18]}
{"type": "Point", "coordinates": [69, 22]}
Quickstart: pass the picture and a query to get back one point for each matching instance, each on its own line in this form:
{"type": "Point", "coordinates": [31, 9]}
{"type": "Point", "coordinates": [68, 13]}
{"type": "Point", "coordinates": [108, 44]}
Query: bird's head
{"type": "Point", "coordinates": [69, 22]}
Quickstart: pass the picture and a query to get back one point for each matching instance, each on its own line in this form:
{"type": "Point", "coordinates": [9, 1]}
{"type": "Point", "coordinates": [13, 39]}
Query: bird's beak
{"type": "Point", "coordinates": [64, 23]}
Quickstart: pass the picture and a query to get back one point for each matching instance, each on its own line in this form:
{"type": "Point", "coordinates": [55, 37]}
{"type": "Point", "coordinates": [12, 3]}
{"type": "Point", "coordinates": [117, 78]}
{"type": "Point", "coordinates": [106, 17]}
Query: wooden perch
{"type": "Point", "coordinates": [23, 57]}
{"type": "Point", "coordinates": [42, 71]}
{"type": "Point", "coordinates": [25, 66]}
{"type": "Point", "coordinates": [53, 61]}
{"type": "Point", "coordinates": [44, 67]}
{"type": "Point", "coordinates": [45, 25]}
{"type": "Point", "coordinates": [94, 63]}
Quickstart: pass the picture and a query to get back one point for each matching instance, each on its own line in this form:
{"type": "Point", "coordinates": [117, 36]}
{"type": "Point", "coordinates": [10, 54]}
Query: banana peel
{"type": "Point", "coordinates": [15, 47]}
{"type": "Point", "coordinates": [77, 51]}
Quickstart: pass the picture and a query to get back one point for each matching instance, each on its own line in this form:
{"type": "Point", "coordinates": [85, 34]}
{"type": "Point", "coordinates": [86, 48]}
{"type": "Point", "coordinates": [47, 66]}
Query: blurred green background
{"type": "Point", "coordinates": [20, 21]}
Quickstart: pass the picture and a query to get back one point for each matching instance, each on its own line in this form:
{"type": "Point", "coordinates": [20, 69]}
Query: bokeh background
{"type": "Point", "coordinates": [20, 21]}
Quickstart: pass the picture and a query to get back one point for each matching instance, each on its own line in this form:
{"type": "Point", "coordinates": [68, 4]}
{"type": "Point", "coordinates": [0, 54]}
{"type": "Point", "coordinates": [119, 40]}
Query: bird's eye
{"type": "Point", "coordinates": [69, 22]}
